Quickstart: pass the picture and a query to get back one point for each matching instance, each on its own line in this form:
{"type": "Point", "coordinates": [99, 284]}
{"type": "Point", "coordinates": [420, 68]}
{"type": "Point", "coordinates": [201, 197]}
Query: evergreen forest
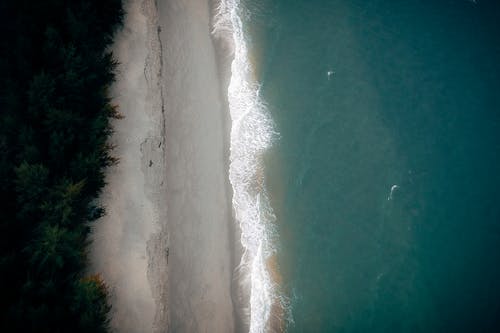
{"type": "Point", "coordinates": [55, 113]}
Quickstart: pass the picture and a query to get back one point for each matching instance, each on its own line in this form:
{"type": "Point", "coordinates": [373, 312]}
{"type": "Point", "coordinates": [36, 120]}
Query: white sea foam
{"type": "Point", "coordinates": [391, 194]}
{"type": "Point", "coordinates": [251, 135]}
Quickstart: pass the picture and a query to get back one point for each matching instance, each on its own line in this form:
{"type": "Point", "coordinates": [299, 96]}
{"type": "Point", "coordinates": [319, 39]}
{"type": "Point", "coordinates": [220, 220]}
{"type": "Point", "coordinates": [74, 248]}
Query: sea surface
{"type": "Point", "coordinates": [382, 168]}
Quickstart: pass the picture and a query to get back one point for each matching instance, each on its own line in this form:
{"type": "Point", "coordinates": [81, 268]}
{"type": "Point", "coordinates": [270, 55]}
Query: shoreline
{"type": "Point", "coordinates": [165, 245]}
{"type": "Point", "coordinates": [260, 304]}
{"type": "Point", "coordinates": [224, 50]}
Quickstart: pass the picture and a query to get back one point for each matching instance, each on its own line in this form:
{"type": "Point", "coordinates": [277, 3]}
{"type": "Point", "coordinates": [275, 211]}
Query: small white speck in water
{"type": "Point", "coordinates": [393, 188]}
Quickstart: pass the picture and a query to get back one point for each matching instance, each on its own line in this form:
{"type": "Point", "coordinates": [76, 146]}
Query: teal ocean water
{"type": "Point", "coordinates": [384, 177]}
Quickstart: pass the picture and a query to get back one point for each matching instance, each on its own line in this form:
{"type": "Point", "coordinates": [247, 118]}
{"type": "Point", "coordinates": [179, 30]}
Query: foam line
{"type": "Point", "coordinates": [251, 135]}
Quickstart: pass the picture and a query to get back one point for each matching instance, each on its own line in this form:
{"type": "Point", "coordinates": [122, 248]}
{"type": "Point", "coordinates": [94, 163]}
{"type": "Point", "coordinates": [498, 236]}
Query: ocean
{"type": "Point", "coordinates": [364, 163]}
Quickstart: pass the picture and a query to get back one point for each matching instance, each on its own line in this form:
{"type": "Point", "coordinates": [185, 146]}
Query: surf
{"type": "Point", "coordinates": [252, 134]}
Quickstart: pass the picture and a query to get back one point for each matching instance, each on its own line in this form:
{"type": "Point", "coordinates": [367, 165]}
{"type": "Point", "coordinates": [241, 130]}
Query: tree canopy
{"type": "Point", "coordinates": [55, 70]}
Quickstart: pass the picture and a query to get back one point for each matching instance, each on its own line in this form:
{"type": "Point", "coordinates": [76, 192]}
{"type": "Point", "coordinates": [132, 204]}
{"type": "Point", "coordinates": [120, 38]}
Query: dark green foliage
{"type": "Point", "coordinates": [55, 70]}
{"type": "Point", "coordinates": [90, 303]}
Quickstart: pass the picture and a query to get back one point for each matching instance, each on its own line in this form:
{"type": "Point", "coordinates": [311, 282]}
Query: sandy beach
{"type": "Point", "coordinates": [163, 246]}
{"type": "Point", "coordinates": [198, 205]}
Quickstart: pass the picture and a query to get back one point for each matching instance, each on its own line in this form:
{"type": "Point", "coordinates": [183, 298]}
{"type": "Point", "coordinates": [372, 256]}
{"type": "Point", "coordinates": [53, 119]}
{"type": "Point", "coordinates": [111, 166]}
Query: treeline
{"type": "Point", "coordinates": [55, 114]}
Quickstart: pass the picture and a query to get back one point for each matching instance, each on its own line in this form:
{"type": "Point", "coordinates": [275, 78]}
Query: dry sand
{"type": "Point", "coordinates": [164, 246]}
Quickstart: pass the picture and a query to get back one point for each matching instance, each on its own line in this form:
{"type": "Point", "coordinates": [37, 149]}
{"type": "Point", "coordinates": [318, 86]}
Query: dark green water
{"type": "Point", "coordinates": [413, 100]}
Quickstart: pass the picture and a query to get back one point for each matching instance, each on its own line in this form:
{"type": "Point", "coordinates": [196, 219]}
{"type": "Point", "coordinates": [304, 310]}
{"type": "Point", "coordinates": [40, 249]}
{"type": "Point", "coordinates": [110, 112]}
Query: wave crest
{"type": "Point", "coordinates": [252, 134]}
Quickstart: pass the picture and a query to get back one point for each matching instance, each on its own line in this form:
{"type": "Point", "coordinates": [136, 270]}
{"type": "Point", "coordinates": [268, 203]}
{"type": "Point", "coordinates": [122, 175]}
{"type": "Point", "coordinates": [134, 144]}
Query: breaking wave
{"type": "Point", "coordinates": [252, 134]}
